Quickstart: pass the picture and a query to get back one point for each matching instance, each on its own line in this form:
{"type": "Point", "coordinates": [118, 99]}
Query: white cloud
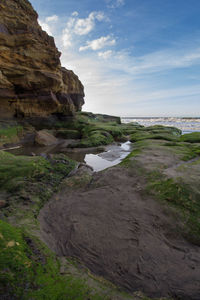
{"type": "Point", "coordinates": [120, 2]}
{"type": "Point", "coordinates": [100, 16]}
{"type": "Point", "coordinates": [84, 26]}
{"type": "Point", "coordinates": [75, 14]}
{"type": "Point", "coordinates": [47, 24]}
{"type": "Point", "coordinates": [80, 26]}
{"type": "Point", "coordinates": [106, 54]}
{"type": "Point", "coordinates": [67, 38]}
{"type": "Point", "coordinates": [123, 83]}
{"type": "Point", "coordinates": [68, 32]}
{"type": "Point", "coordinates": [99, 43]}
{"type": "Point", "coordinates": [115, 3]}
{"type": "Point", "coordinates": [45, 27]}
{"type": "Point", "coordinates": [165, 60]}
{"type": "Point", "coordinates": [53, 18]}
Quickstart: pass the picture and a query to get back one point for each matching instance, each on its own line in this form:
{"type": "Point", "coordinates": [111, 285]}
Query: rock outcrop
{"type": "Point", "coordinates": [44, 138]}
{"type": "Point", "coordinates": [32, 81]}
{"type": "Point", "coordinates": [136, 224]}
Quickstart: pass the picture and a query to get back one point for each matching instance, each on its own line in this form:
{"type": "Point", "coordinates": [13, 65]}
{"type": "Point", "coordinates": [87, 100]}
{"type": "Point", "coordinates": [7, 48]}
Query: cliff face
{"type": "Point", "coordinates": [32, 81]}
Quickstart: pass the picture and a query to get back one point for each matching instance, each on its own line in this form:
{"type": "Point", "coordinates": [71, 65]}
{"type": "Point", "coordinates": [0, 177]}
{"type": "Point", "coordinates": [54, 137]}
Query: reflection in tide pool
{"type": "Point", "coordinates": [98, 161]}
{"type": "Point", "coordinates": [108, 159]}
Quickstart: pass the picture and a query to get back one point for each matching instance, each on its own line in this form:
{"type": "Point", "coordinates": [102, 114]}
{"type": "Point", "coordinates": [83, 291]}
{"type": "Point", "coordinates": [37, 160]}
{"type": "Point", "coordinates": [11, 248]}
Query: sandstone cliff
{"type": "Point", "coordinates": [32, 81]}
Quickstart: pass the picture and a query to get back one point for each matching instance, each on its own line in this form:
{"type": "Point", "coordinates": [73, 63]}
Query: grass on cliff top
{"type": "Point", "coordinates": [29, 272]}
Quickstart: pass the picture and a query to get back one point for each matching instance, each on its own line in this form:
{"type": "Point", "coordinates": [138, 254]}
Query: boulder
{"type": "Point", "coordinates": [2, 204]}
{"type": "Point", "coordinates": [44, 138]}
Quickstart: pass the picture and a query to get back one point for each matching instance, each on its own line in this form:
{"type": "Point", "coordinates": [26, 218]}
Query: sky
{"type": "Point", "coordinates": [134, 57]}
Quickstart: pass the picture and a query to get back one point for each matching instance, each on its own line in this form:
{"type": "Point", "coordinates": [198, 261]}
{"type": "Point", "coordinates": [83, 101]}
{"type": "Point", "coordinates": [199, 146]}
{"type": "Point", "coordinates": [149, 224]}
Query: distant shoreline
{"type": "Point", "coordinates": [186, 124]}
{"type": "Point", "coordinates": [189, 118]}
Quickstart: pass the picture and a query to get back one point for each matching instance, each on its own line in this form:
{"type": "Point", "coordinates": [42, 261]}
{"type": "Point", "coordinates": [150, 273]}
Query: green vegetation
{"type": "Point", "coordinates": [182, 197]}
{"type": "Point", "coordinates": [68, 134]}
{"type": "Point", "coordinates": [32, 176]}
{"type": "Point", "coordinates": [193, 137]}
{"type": "Point", "coordinates": [102, 131]}
{"type": "Point", "coordinates": [163, 129]}
{"type": "Point", "coordinates": [155, 136]}
{"type": "Point", "coordinates": [27, 269]}
{"type": "Point", "coordinates": [126, 162]}
{"type": "Point", "coordinates": [95, 130]}
{"type": "Point", "coordinates": [185, 151]}
{"type": "Point", "coordinates": [10, 134]}
{"type": "Point", "coordinates": [95, 138]}
{"type": "Point", "coordinates": [30, 271]}
{"type": "Point", "coordinates": [156, 132]}
{"type": "Point", "coordinates": [77, 181]}
{"type": "Point", "coordinates": [175, 191]}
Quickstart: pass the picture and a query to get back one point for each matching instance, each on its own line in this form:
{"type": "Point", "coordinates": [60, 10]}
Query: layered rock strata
{"type": "Point", "coordinates": [32, 81]}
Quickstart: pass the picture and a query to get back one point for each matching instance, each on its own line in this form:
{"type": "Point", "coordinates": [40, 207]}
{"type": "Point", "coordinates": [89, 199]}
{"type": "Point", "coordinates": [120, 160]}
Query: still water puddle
{"type": "Point", "coordinates": [109, 158]}
{"type": "Point", "coordinates": [112, 156]}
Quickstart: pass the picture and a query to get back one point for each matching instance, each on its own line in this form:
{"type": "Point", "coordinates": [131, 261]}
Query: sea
{"type": "Point", "coordinates": [187, 125]}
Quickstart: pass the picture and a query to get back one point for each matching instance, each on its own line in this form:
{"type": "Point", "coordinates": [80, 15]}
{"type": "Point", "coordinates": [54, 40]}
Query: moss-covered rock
{"type": "Point", "coordinates": [68, 134]}
{"type": "Point", "coordinates": [156, 132]}
{"type": "Point", "coordinates": [161, 129]}
{"type": "Point", "coordinates": [94, 139]}
{"type": "Point", "coordinates": [27, 178]}
{"type": "Point", "coordinates": [143, 135]}
{"type": "Point", "coordinates": [178, 193]}
{"type": "Point", "coordinates": [193, 137]}
{"type": "Point", "coordinates": [29, 271]}
{"type": "Point", "coordinates": [171, 172]}
{"type": "Point", "coordinates": [10, 134]}
{"type": "Point", "coordinates": [93, 129]}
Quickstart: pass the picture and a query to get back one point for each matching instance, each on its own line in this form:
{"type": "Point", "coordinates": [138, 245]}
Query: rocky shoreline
{"type": "Point", "coordinates": [131, 231]}
{"type": "Point", "coordinates": [135, 224]}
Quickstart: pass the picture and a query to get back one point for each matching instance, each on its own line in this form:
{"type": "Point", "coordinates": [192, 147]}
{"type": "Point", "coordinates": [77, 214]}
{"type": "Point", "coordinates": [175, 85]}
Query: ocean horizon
{"type": "Point", "coordinates": [186, 124]}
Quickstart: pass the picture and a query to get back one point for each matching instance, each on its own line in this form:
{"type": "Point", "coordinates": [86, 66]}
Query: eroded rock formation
{"type": "Point", "coordinates": [32, 81]}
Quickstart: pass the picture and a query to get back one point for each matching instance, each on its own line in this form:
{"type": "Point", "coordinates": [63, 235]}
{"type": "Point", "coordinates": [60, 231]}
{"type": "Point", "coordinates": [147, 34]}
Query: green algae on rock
{"type": "Point", "coordinates": [10, 134]}
{"type": "Point", "coordinates": [193, 137]}
{"type": "Point", "coordinates": [25, 178]}
{"type": "Point", "coordinates": [171, 171]}
{"type": "Point", "coordinates": [123, 206]}
{"type": "Point", "coordinates": [28, 270]}
{"type": "Point", "coordinates": [156, 132]}
{"type": "Point", "coordinates": [96, 130]}
{"type": "Point", "coordinates": [68, 134]}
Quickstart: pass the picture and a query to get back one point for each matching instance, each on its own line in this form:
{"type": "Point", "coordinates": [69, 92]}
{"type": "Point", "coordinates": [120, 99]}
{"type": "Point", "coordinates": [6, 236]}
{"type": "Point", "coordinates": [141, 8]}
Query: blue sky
{"type": "Point", "coordinates": [134, 57]}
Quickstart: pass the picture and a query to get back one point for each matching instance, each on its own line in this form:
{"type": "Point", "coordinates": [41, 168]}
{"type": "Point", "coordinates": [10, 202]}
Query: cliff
{"type": "Point", "coordinates": [32, 81]}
